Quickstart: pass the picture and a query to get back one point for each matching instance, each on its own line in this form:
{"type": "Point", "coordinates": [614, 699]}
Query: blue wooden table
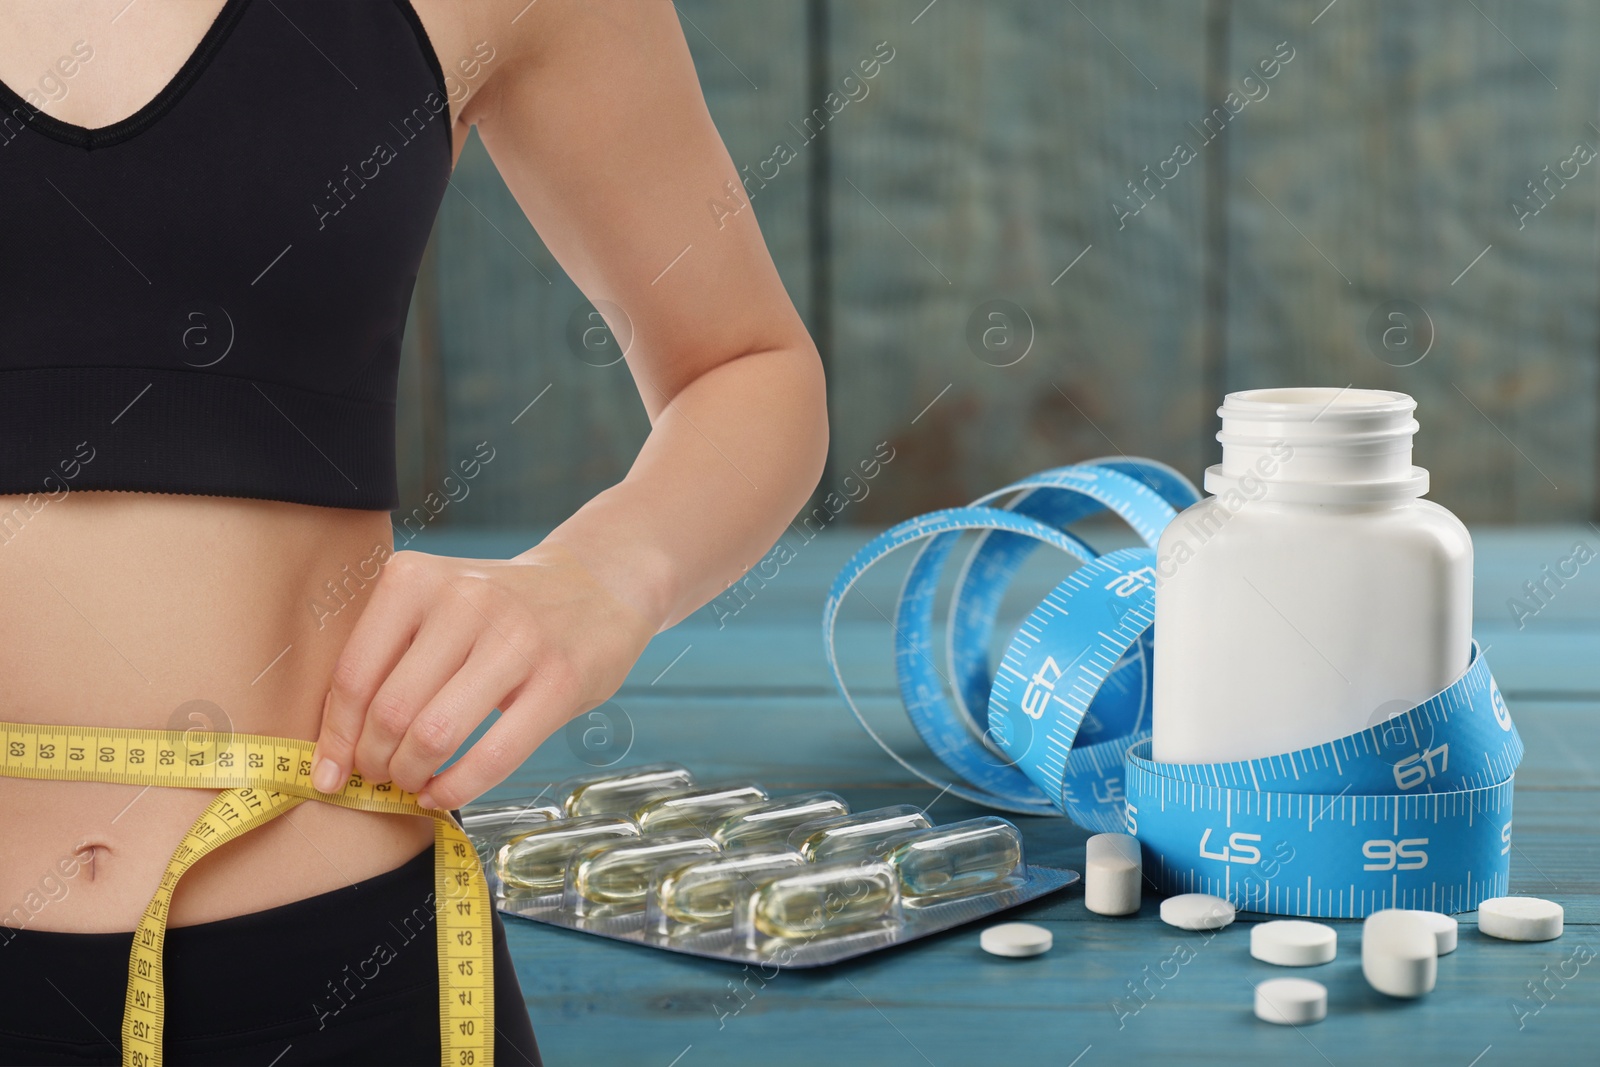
{"type": "Point", "coordinates": [746, 693]}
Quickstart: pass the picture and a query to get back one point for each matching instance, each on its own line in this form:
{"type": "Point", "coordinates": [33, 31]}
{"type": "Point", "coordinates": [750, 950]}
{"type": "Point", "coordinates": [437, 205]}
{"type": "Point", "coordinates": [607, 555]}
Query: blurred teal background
{"type": "Point", "coordinates": [1009, 262]}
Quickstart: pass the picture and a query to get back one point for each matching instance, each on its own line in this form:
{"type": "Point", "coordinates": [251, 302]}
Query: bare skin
{"type": "Point", "coordinates": [120, 608]}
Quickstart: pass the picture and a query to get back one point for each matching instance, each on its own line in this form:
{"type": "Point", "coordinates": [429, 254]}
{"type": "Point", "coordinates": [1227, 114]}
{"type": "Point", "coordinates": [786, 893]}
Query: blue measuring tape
{"type": "Point", "coordinates": [1414, 812]}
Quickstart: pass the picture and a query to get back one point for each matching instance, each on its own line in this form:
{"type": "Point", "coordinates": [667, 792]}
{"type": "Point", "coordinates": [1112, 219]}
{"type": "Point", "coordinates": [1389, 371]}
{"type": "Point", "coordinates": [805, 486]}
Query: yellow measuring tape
{"type": "Point", "coordinates": [261, 778]}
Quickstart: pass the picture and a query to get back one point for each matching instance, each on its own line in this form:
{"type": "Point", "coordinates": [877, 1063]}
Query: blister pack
{"type": "Point", "coordinates": [728, 871]}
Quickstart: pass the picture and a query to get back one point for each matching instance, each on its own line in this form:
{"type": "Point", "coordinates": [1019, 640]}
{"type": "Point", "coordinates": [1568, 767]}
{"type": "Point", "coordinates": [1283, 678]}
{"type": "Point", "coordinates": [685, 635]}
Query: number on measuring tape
{"type": "Point", "coordinates": [1040, 686]}
{"type": "Point", "coordinates": [1414, 770]}
{"type": "Point", "coordinates": [1502, 714]}
{"type": "Point", "coordinates": [1108, 790]}
{"type": "Point", "coordinates": [1129, 584]}
{"type": "Point", "coordinates": [1386, 855]}
{"type": "Point", "coordinates": [1238, 849]}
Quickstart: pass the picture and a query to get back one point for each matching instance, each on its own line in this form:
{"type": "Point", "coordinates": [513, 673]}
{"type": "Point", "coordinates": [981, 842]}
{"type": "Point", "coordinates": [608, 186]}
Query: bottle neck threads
{"type": "Point", "coordinates": [1318, 446]}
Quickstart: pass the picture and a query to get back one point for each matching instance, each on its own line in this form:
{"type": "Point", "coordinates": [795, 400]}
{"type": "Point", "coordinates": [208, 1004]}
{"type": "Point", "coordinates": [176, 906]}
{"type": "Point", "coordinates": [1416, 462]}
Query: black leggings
{"type": "Point", "coordinates": [345, 977]}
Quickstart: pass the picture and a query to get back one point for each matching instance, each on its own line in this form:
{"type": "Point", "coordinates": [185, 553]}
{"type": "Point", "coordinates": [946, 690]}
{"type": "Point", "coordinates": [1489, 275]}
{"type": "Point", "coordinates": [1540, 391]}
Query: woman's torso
{"type": "Point", "coordinates": [174, 611]}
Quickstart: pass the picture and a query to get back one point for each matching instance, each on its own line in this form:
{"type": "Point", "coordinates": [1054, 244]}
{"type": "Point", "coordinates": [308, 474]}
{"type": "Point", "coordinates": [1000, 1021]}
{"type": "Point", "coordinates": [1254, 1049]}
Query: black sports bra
{"type": "Point", "coordinates": [209, 295]}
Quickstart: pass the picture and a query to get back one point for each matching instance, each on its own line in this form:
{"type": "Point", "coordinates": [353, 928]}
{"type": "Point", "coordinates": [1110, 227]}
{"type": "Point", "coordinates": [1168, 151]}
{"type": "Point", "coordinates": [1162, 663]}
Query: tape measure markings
{"type": "Point", "coordinates": [1080, 785]}
{"type": "Point", "coordinates": [1019, 795]}
{"type": "Point", "coordinates": [996, 557]}
{"type": "Point", "coordinates": [919, 681]}
{"type": "Point", "coordinates": [261, 777]}
{"type": "Point", "coordinates": [1325, 765]}
{"type": "Point", "coordinates": [144, 1011]}
{"type": "Point", "coordinates": [996, 782]}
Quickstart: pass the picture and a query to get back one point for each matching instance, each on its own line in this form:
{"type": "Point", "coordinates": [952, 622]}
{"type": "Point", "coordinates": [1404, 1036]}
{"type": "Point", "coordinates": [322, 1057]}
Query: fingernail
{"type": "Point", "coordinates": [325, 776]}
{"type": "Point", "coordinates": [425, 800]}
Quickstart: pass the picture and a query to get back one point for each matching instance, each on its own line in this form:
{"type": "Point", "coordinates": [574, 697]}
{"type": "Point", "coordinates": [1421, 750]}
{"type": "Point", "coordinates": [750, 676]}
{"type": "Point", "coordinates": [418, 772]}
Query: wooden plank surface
{"type": "Point", "coordinates": [753, 701]}
{"type": "Point", "coordinates": [1385, 161]}
{"type": "Point", "coordinates": [987, 159]}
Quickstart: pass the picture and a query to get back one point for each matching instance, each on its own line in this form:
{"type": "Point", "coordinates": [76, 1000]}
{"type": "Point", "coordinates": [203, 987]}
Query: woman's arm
{"type": "Point", "coordinates": [597, 123]}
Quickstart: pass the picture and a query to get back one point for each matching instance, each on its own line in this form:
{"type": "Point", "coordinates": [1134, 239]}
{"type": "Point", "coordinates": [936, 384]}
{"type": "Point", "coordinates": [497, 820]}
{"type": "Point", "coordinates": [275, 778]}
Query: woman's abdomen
{"type": "Point", "coordinates": [177, 612]}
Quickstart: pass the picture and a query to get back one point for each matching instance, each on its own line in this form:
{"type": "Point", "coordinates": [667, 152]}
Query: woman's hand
{"type": "Point", "coordinates": [443, 641]}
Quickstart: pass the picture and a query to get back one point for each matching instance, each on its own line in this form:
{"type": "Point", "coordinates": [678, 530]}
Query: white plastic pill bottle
{"type": "Point", "coordinates": [1315, 593]}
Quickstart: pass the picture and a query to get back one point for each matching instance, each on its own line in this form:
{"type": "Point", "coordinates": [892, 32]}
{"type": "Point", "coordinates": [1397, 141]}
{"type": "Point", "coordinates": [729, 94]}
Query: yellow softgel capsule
{"type": "Point", "coordinates": [621, 792]}
{"type": "Point", "coordinates": [698, 809]}
{"type": "Point", "coordinates": [489, 820]}
{"type": "Point", "coordinates": [537, 858]}
{"type": "Point", "coordinates": [770, 823]}
{"type": "Point", "coordinates": [853, 836]}
{"type": "Point", "coordinates": [825, 900]}
{"type": "Point", "coordinates": [955, 860]}
{"type": "Point", "coordinates": [703, 890]}
{"type": "Point", "coordinates": [492, 825]}
{"type": "Point", "coordinates": [619, 872]}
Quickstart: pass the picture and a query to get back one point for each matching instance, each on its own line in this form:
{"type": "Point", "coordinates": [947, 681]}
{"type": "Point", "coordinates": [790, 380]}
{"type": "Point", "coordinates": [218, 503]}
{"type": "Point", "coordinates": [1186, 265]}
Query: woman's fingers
{"type": "Point", "coordinates": [440, 648]}
{"type": "Point", "coordinates": [449, 717]}
{"type": "Point", "coordinates": [523, 725]}
{"type": "Point", "coordinates": [547, 686]}
{"type": "Point", "coordinates": [376, 644]}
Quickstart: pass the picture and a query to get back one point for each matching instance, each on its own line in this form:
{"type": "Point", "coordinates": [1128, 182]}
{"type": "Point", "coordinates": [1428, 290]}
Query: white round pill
{"type": "Point", "coordinates": [1196, 911]}
{"type": "Point", "coordinates": [1443, 927]}
{"type": "Point", "coordinates": [1112, 874]}
{"type": "Point", "coordinates": [1520, 918]}
{"type": "Point", "coordinates": [1293, 943]}
{"type": "Point", "coordinates": [1016, 939]}
{"type": "Point", "coordinates": [1399, 953]}
{"type": "Point", "coordinates": [1291, 1001]}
